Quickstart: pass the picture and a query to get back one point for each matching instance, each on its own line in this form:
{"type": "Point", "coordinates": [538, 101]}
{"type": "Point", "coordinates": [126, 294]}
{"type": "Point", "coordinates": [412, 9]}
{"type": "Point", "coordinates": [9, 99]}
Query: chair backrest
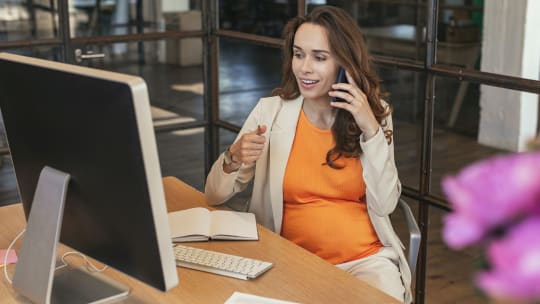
{"type": "Point", "coordinates": [414, 234]}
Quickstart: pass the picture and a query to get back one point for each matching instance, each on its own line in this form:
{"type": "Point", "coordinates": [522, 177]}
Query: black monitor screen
{"type": "Point", "coordinates": [95, 126]}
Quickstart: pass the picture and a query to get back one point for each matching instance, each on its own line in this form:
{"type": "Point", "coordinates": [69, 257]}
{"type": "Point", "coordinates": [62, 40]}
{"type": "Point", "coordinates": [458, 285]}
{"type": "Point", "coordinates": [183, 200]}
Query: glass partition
{"type": "Point", "coordinates": [391, 28]}
{"type": "Point", "coordinates": [23, 20]}
{"type": "Point", "coordinates": [180, 155]}
{"type": "Point", "coordinates": [247, 72]}
{"type": "Point", "coordinates": [475, 122]}
{"type": "Point", "coordinates": [262, 17]}
{"type": "Point", "coordinates": [490, 36]}
{"type": "Point", "coordinates": [406, 95]}
{"type": "Point", "coordinates": [124, 17]}
{"type": "Point", "coordinates": [175, 83]}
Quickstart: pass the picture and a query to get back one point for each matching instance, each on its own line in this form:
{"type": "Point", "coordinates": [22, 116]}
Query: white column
{"type": "Point", "coordinates": [511, 46]}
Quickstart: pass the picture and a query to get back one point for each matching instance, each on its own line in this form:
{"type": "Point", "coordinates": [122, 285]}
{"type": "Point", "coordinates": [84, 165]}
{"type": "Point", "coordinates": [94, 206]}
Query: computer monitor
{"type": "Point", "coordinates": [92, 132]}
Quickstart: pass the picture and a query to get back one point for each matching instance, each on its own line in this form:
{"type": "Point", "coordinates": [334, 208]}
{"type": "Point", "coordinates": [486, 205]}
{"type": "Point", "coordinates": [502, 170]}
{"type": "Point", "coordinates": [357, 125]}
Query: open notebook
{"type": "Point", "coordinates": [201, 224]}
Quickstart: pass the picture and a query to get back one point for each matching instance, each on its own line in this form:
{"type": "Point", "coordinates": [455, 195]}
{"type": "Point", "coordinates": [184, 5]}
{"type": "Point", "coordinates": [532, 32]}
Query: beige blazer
{"type": "Point", "coordinates": [383, 187]}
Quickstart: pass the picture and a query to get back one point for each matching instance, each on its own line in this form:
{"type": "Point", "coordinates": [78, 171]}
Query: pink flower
{"type": "Point", "coordinates": [459, 231]}
{"type": "Point", "coordinates": [489, 194]}
{"type": "Point", "coordinates": [515, 263]}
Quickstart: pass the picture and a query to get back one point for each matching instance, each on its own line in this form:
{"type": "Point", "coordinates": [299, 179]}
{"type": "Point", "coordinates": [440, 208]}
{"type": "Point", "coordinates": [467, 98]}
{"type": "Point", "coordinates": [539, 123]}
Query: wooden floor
{"type": "Point", "coordinates": [178, 97]}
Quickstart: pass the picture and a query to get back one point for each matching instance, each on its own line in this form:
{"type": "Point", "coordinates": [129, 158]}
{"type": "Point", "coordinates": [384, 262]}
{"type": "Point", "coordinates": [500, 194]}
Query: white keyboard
{"type": "Point", "coordinates": [219, 263]}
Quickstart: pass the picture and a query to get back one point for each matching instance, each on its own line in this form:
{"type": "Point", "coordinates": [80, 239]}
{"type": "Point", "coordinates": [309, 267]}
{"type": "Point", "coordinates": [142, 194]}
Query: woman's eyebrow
{"type": "Point", "coordinates": [313, 51]}
{"type": "Point", "coordinates": [321, 51]}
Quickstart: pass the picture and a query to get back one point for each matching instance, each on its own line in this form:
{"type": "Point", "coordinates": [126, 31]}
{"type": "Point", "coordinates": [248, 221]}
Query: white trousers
{"type": "Point", "coordinates": [379, 270]}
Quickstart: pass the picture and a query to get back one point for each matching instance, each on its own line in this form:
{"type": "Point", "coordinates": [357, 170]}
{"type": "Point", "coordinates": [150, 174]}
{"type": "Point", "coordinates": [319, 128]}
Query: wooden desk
{"type": "Point", "coordinates": [297, 275]}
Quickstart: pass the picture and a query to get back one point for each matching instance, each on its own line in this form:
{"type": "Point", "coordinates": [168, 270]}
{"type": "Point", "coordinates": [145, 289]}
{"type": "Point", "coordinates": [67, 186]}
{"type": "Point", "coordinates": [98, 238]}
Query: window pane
{"type": "Point", "coordinates": [474, 122]}
{"type": "Point", "coordinates": [457, 106]}
{"type": "Point", "coordinates": [175, 84]}
{"type": "Point", "coordinates": [390, 28]}
{"type": "Point", "coordinates": [459, 41]}
{"type": "Point", "coordinates": [261, 17]}
{"type": "Point", "coordinates": [375, 12]}
{"type": "Point", "coordinates": [406, 89]}
{"type": "Point", "coordinates": [181, 155]}
{"type": "Point", "coordinates": [26, 20]}
{"type": "Point", "coordinates": [491, 36]}
{"type": "Point", "coordinates": [247, 72]}
{"type": "Point", "coordinates": [122, 17]}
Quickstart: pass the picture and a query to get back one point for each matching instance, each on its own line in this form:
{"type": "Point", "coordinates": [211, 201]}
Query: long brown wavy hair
{"type": "Point", "coordinates": [348, 47]}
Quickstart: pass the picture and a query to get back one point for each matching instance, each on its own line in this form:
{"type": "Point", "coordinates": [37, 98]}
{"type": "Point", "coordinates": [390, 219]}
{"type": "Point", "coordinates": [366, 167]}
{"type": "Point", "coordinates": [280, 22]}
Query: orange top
{"type": "Point", "coordinates": [325, 209]}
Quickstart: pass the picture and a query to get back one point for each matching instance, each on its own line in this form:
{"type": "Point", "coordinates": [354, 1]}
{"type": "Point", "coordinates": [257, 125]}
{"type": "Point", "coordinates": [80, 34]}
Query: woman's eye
{"type": "Point", "coordinates": [297, 55]}
{"type": "Point", "coordinates": [319, 58]}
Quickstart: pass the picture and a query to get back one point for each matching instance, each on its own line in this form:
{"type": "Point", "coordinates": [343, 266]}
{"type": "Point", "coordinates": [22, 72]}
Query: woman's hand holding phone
{"type": "Point", "coordinates": [356, 102]}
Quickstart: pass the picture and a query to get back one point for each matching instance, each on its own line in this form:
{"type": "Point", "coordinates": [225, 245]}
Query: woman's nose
{"type": "Point", "coordinates": [306, 66]}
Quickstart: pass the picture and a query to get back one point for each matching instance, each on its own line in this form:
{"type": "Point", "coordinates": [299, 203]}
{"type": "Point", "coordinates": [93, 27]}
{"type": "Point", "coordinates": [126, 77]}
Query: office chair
{"type": "Point", "coordinates": [414, 234]}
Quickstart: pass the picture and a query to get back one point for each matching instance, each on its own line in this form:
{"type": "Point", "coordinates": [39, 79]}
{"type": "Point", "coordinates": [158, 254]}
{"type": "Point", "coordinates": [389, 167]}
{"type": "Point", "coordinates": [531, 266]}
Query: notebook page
{"type": "Point", "coordinates": [194, 221]}
{"type": "Point", "coordinates": [233, 225]}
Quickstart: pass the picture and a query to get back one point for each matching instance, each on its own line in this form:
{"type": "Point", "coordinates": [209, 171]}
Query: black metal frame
{"type": "Point", "coordinates": [213, 123]}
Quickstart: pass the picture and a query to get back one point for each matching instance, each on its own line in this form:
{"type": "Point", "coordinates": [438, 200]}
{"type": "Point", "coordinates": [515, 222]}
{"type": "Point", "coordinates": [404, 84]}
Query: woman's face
{"type": "Point", "coordinates": [314, 67]}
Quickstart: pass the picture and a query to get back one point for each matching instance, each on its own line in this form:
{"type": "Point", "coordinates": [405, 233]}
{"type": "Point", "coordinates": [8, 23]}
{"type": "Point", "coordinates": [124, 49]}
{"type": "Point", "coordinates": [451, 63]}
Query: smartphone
{"type": "Point", "coordinates": [341, 78]}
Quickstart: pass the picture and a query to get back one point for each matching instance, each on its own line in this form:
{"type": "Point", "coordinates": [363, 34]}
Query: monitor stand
{"type": "Point", "coordinates": [35, 276]}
